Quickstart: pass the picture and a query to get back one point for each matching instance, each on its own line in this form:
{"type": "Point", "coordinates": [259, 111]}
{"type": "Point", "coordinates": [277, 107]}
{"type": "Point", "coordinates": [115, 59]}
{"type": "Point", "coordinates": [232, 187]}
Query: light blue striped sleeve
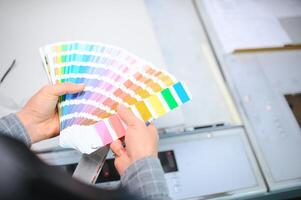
{"type": "Point", "coordinates": [11, 125]}
{"type": "Point", "coordinates": [145, 178]}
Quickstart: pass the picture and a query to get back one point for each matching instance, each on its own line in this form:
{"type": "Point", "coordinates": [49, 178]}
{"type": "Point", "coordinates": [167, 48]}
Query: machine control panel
{"type": "Point", "coordinates": [199, 164]}
{"type": "Point", "coordinates": [109, 172]}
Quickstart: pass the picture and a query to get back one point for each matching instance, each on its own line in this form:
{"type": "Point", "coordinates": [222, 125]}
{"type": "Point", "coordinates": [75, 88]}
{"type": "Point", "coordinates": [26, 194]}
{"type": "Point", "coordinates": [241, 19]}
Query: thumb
{"type": "Point", "coordinates": [127, 116]}
{"type": "Point", "coordinates": [64, 88]}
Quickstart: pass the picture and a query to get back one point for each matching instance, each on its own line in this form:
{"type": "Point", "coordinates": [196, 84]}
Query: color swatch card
{"type": "Point", "coordinates": [111, 76]}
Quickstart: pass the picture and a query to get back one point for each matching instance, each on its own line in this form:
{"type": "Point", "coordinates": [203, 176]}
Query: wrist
{"type": "Point", "coordinates": [26, 121]}
{"type": "Point", "coordinates": [138, 159]}
{"type": "Point", "coordinates": [141, 155]}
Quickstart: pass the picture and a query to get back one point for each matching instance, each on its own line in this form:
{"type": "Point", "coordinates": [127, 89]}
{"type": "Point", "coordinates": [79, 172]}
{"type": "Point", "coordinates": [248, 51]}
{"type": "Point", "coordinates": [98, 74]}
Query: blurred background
{"type": "Point", "coordinates": [239, 137]}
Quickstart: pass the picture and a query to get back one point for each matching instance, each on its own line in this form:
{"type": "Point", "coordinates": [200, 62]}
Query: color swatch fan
{"type": "Point", "coordinates": [111, 76]}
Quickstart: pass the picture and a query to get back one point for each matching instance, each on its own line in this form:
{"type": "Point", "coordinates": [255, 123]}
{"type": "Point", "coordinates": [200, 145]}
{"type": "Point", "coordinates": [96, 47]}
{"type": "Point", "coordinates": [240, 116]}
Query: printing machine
{"type": "Point", "coordinates": [216, 146]}
{"type": "Point", "coordinates": [266, 87]}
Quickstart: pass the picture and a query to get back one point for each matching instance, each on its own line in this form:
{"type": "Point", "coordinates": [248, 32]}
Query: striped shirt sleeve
{"type": "Point", "coordinates": [145, 178]}
{"type": "Point", "coordinates": [10, 125]}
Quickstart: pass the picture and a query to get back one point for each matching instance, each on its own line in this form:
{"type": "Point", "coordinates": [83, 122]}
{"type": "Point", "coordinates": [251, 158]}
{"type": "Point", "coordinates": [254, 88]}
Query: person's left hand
{"type": "Point", "coordinates": [39, 116]}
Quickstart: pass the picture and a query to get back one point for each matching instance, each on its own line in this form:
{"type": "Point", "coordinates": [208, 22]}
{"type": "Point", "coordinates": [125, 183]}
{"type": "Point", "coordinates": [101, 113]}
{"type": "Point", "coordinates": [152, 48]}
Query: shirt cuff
{"type": "Point", "coordinates": [11, 125]}
{"type": "Point", "coordinates": [145, 178]}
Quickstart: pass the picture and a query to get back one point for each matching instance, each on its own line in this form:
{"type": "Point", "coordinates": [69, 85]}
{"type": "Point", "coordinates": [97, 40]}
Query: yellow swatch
{"type": "Point", "coordinates": [143, 110]}
{"type": "Point", "coordinates": [157, 105]}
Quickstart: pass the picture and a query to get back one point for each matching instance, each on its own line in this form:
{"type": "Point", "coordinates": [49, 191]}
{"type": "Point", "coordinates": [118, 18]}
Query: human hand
{"type": "Point", "coordinates": [39, 116]}
{"type": "Point", "coordinates": [140, 140]}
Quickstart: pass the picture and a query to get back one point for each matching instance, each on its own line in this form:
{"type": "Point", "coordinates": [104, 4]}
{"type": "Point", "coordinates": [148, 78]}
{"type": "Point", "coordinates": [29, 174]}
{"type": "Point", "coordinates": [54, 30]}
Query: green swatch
{"type": "Point", "coordinates": [64, 47]}
{"type": "Point", "coordinates": [169, 98]}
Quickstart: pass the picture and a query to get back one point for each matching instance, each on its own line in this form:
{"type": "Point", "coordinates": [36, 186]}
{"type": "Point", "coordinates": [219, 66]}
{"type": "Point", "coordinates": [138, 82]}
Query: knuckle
{"type": "Point", "coordinates": [152, 128]}
{"type": "Point", "coordinates": [113, 146]}
{"type": "Point", "coordinates": [139, 123]}
{"type": "Point", "coordinates": [45, 88]}
{"type": "Point", "coordinates": [67, 84]}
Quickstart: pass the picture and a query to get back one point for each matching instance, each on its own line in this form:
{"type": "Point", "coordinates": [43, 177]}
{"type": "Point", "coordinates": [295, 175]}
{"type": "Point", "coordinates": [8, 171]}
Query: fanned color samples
{"type": "Point", "coordinates": [111, 76]}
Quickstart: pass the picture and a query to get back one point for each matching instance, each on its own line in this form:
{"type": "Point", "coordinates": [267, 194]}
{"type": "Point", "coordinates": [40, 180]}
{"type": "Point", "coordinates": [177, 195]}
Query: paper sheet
{"type": "Point", "coordinates": [249, 24]}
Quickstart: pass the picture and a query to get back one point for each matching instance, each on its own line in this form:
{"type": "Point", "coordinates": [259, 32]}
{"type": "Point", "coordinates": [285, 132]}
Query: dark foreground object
{"type": "Point", "coordinates": [25, 176]}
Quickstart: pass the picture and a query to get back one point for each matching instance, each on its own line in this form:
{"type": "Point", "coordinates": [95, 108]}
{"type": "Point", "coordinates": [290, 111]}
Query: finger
{"type": "Point", "coordinates": [122, 163]}
{"type": "Point", "coordinates": [152, 128]}
{"type": "Point", "coordinates": [117, 148]}
{"type": "Point", "coordinates": [64, 88]}
{"type": "Point", "coordinates": [127, 115]}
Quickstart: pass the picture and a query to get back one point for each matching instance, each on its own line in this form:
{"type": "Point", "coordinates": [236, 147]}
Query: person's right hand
{"type": "Point", "coordinates": [140, 141]}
